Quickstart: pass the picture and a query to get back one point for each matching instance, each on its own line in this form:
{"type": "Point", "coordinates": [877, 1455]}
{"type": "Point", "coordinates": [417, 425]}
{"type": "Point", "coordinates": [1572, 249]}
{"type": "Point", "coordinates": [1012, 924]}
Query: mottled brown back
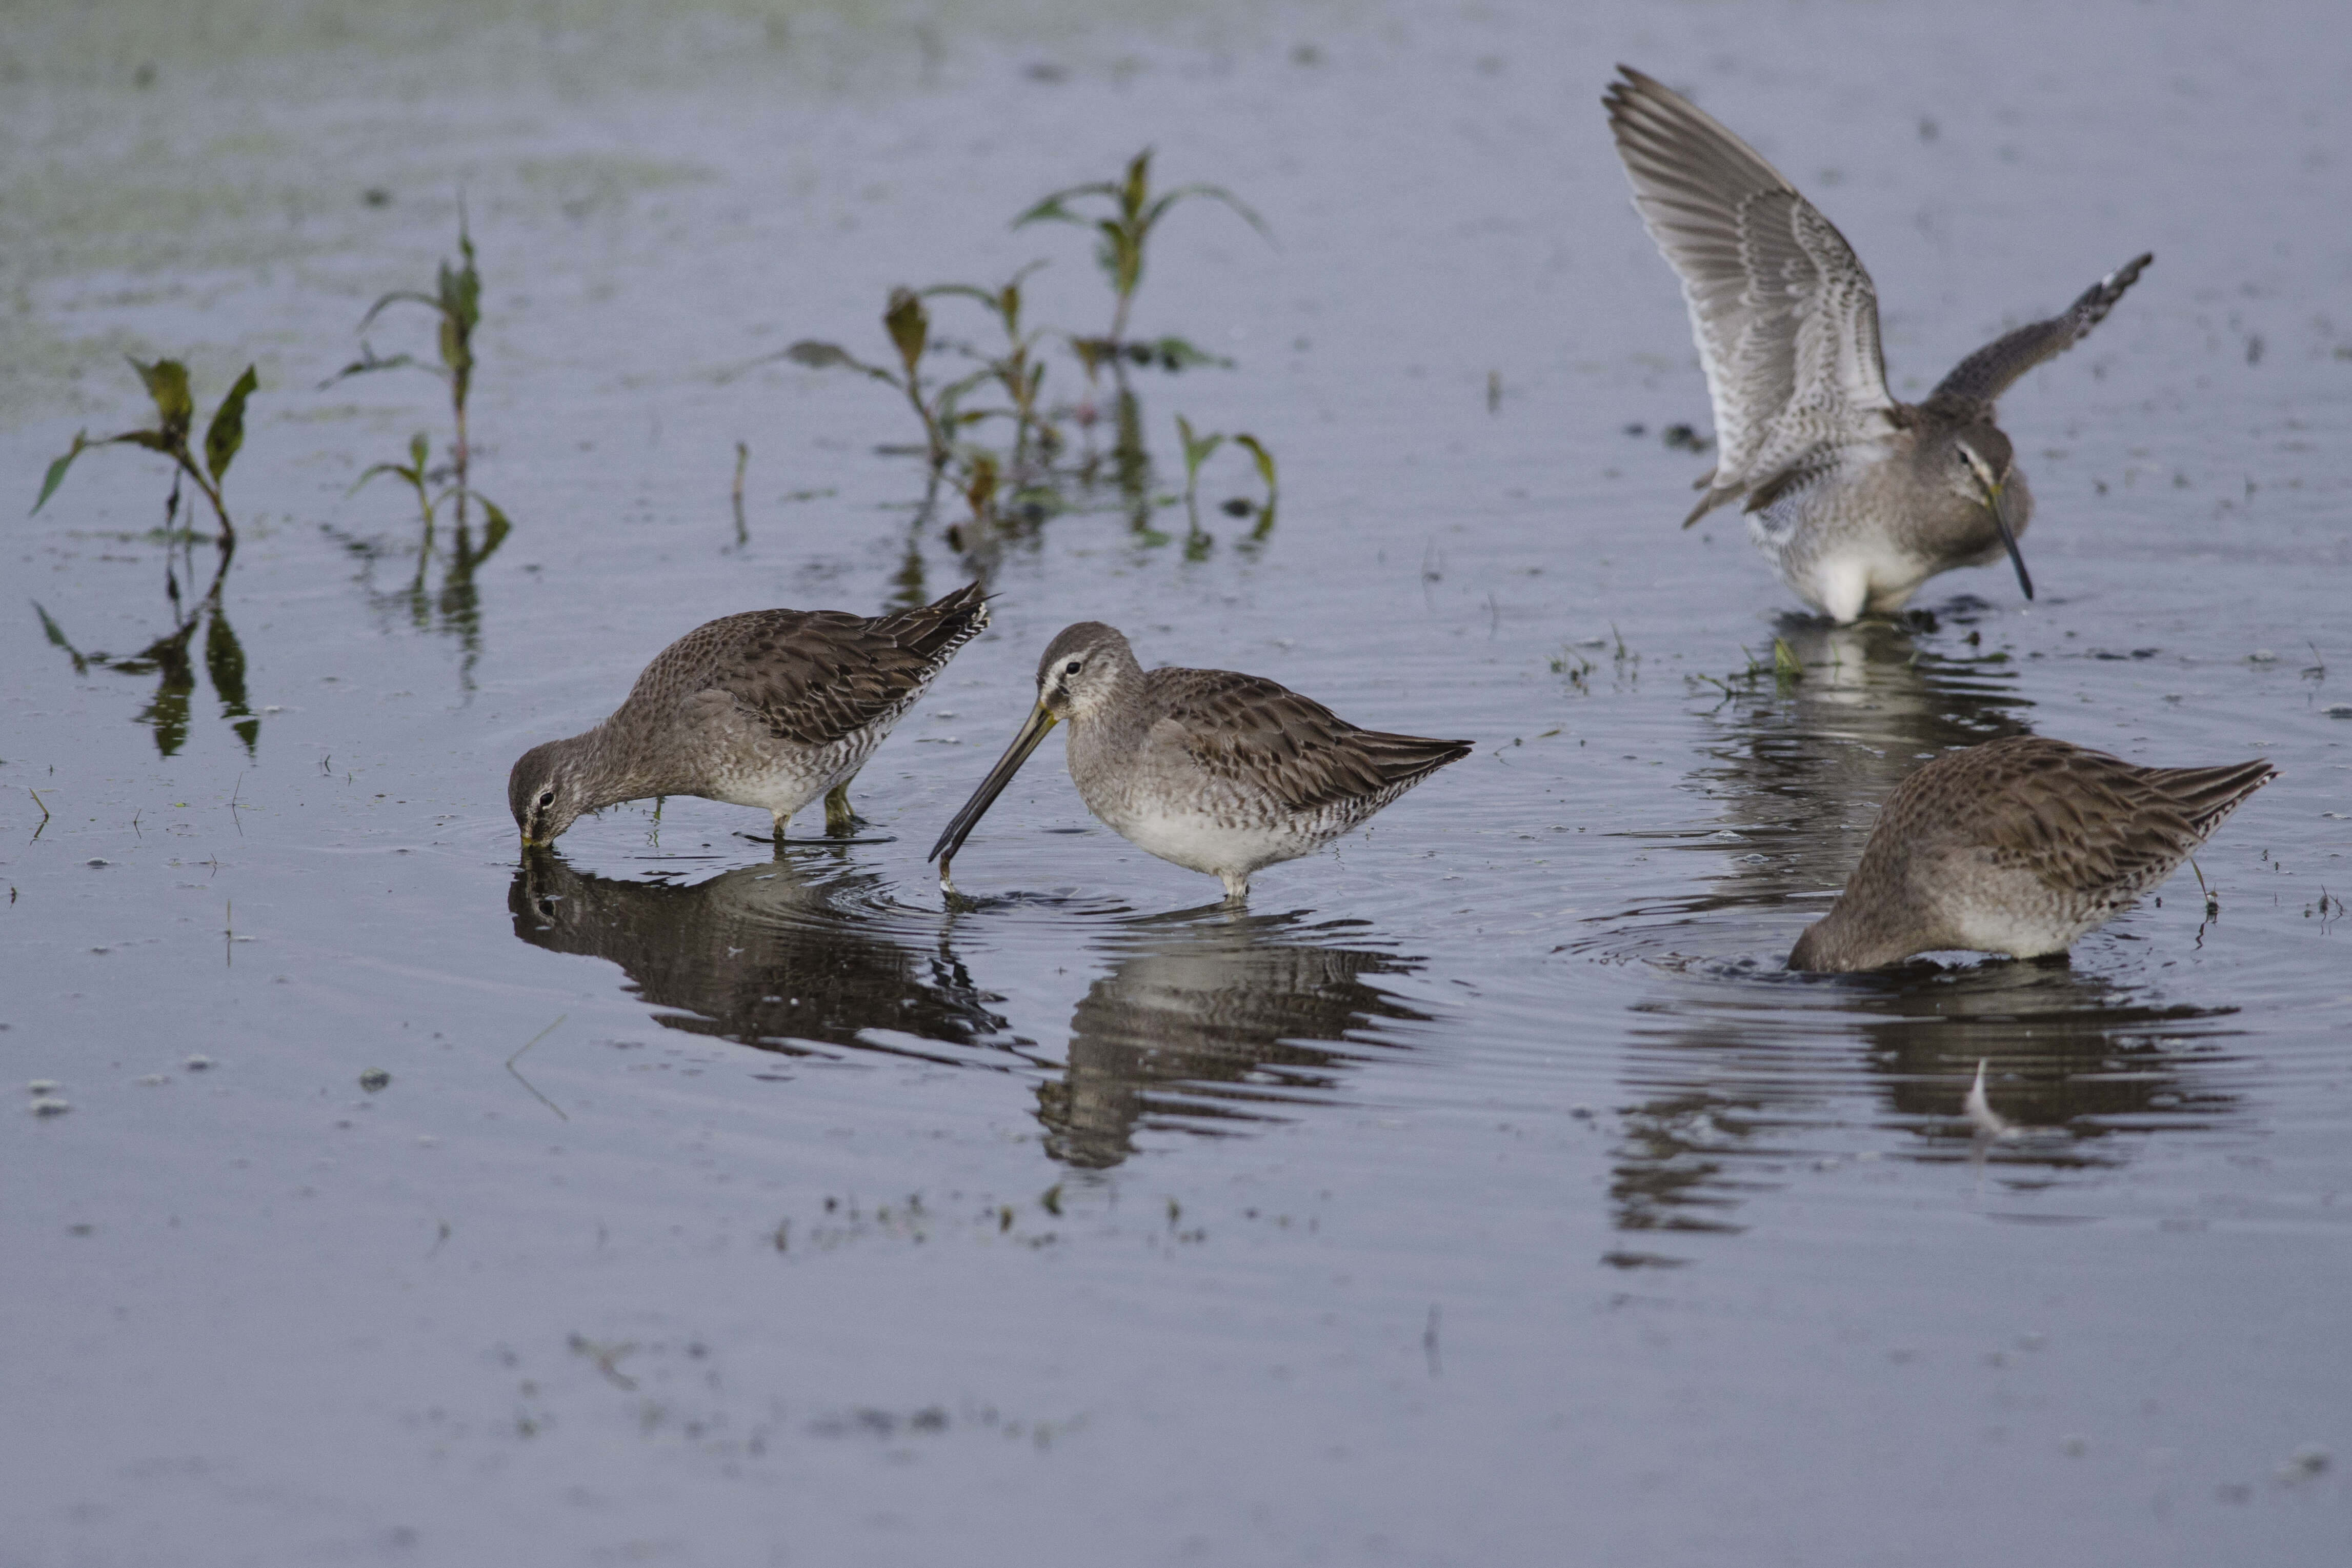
{"type": "Point", "coordinates": [1262, 735]}
{"type": "Point", "coordinates": [2078, 819]}
{"type": "Point", "coordinates": [813, 676]}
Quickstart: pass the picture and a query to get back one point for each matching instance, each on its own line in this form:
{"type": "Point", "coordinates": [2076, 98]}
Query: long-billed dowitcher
{"type": "Point", "coordinates": [1214, 771]}
{"type": "Point", "coordinates": [2018, 846]}
{"type": "Point", "coordinates": [770, 708]}
{"type": "Point", "coordinates": [1856, 497]}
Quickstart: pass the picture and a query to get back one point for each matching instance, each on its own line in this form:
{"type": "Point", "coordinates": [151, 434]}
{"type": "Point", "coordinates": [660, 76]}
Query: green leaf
{"type": "Point", "coordinates": [1051, 209]}
{"type": "Point", "coordinates": [1138, 189]}
{"type": "Point", "coordinates": [226, 432]}
{"type": "Point", "coordinates": [409, 295]}
{"type": "Point", "coordinates": [57, 473]}
{"type": "Point", "coordinates": [167, 384]}
{"type": "Point", "coordinates": [1265, 460]}
{"type": "Point", "coordinates": [1175, 354]}
{"type": "Point", "coordinates": [153, 440]}
{"type": "Point", "coordinates": [56, 635]}
{"type": "Point", "coordinates": [824, 356]}
{"type": "Point", "coordinates": [368, 362]}
{"type": "Point", "coordinates": [224, 662]}
{"type": "Point", "coordinates": [411, 475]}
{"type": "Point", "coordinates": [909, 326]}
{"type": "Point", "coordinates": [496, 531]}
{"type": "Point", "coordinates": [1215, 193]}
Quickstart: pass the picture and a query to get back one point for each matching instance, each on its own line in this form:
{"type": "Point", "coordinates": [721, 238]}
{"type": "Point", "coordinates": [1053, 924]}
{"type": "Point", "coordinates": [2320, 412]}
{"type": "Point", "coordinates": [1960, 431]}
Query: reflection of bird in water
{"type": "Point", "coordinates": [2018, 846]}
{"type": "Point", "coordinates": [770, 708]}
{"type": "Point", "coordinates": [1857, 498]}
{"type": "Point", "coordinates": [1735, 1090]}
{"type": "Point", "coordinates": [1208, 769]}
{"type": "Point", "coordinates": [766, 955]}
{"type": "Point", "coordinates": [1802, 770]}
{"type": "Point", "coordinates": [1210, 1023]}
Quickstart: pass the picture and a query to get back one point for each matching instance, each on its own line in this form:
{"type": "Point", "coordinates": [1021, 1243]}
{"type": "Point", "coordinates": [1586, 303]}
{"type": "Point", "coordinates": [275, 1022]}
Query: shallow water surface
{"type": "Point", "coordinates": [1485, 1191]}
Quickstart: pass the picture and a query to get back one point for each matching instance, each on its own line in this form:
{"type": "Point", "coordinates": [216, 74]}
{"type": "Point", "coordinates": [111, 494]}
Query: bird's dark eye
{"type": "Point", "coordinates": [547, 797]}
{"type": "Point", "coordinates": [1071, 668]}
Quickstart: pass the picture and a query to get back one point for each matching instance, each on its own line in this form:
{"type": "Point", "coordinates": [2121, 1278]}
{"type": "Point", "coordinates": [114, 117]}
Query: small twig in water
{"type": "Point", "coordinates": [743, 461]}
{"type": "Point", "coordinates": [1429, 1342]}
{"type": "Point", "coordinates": [526, 1082]}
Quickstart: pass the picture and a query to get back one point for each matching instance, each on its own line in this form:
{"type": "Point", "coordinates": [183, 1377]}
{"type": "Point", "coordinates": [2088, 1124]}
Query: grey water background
{"type": "Point", "coordinates": [1487, 1193]}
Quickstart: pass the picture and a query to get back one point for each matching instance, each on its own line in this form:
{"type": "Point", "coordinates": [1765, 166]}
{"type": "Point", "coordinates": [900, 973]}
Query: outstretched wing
{"type": "Point", "coordinates": [1785, 316]}
{"type": "Point", "coordinates": [1985, 375]}
{"type": "Point", "coordinates": [1261, 735]}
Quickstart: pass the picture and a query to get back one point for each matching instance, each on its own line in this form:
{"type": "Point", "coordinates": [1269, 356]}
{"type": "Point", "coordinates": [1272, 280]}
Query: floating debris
{"type": "Point", "coordinates": [375, 1079]}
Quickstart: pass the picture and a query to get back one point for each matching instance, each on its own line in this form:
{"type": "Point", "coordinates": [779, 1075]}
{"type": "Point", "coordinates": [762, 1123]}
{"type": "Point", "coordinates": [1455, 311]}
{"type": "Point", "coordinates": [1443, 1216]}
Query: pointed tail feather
{"type": "Point", "coordinates": [2207, 796]}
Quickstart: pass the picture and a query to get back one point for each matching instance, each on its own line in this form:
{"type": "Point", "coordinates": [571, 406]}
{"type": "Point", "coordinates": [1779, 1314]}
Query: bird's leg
{"type": "Point", "coordinates": [781, 817]}
{"type": "Point", "coordinates": [840, 821]}
{"type": "Point", "coordinates": [1236, 885]}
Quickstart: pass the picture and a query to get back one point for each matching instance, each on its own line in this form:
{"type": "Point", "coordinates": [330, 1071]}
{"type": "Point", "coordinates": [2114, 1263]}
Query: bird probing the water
{"type": "Point", "coordinates": [2018, 845]}
{"type": "Point", "coordinates": [1208, 769]}
{"type": "Point", "coordinates": [769, 708]}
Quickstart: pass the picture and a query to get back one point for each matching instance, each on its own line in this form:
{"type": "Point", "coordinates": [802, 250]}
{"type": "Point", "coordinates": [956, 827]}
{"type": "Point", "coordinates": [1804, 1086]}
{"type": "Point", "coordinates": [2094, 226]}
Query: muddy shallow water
{"type": "Point", "coordinates": [1487, 1190]}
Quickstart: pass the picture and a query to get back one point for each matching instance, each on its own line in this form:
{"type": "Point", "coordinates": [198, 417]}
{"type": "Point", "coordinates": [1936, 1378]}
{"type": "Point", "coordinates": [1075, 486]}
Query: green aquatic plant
{"type": "Point", "coordinates": [457, 298]}
{"type": "Point", "coordinates": [908, 323]}
{"type": "Point", "coordinates": [1122, 237]}
{"type": "Point", "coordinates": [420, 475]}
{"type": "Point", "coordinates": [1017, 369]}
{"type": "Point", "coordinates": [1784, 669]}
{"type": "Point", "coordinates": [1264, 459]}
{"type": "Point", "coordinates": [1198, 449]}
{"type": "Point", "coordinates": [167, 384]}
{"type": "Point", "coordinates": [1576, 666]}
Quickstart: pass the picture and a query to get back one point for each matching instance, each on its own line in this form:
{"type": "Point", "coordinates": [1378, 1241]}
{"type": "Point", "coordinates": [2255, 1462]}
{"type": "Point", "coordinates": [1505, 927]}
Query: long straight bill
{"type": "Point", "coordinates": [960, 826]}
{"type": "Point", "coordinates": [2009, 538]}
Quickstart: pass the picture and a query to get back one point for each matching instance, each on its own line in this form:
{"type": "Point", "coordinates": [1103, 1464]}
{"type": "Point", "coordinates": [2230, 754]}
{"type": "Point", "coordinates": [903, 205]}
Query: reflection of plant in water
{"type": "Point", "coordinates": [458, 301]}
{"type": "Point", "coordinates": [171, 656]}
{"type": "Point", "coordinates": [175, 412]}
{"type": "Point", "coordinates": [455, 606]}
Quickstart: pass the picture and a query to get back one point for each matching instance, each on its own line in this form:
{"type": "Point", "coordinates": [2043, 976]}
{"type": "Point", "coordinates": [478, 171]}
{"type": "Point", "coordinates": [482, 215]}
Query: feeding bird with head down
{"type": "Point", "coordinates": [770, 708]}
{"type": "Point", "coordinates": [2018, 845]}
